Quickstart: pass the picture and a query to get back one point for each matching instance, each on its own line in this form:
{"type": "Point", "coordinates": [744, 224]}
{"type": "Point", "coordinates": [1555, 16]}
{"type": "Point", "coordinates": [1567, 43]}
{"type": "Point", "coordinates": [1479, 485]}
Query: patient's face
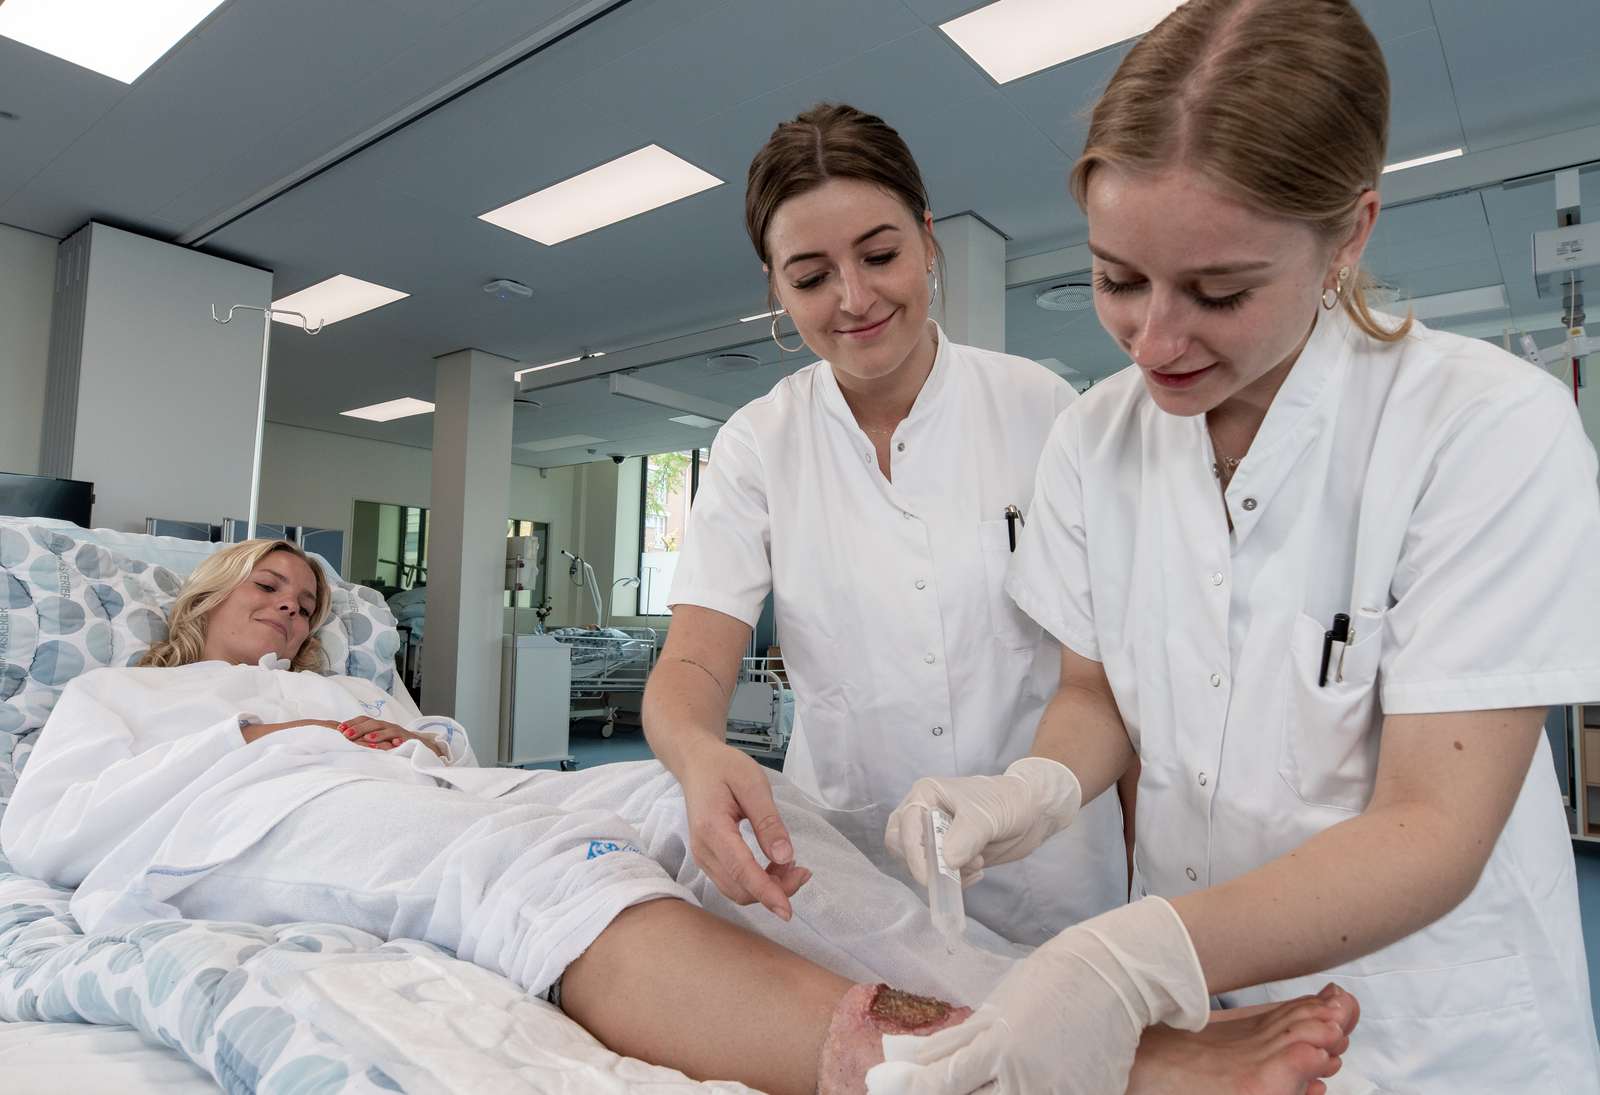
{"type": "Point", "coordinates": [268, 613]}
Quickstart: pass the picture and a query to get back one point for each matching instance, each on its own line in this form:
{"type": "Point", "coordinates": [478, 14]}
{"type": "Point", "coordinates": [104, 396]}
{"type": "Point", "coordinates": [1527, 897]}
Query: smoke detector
{"type": "Point", "coordinates": [1067, 296]}
{"type": "Point", "coordinates": [504, 289]}
{"type": "Point", "coordinates": [732, 362]}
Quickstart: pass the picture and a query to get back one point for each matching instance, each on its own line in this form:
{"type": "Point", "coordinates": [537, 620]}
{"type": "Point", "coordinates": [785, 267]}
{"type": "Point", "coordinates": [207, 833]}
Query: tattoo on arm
{"type": "Point", "coordinates": [721, 688]}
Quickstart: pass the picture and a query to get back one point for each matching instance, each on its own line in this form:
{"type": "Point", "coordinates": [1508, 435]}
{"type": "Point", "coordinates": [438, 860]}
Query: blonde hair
{"type": "Point", "coordinates": [1282, 103]}
{"type": "Point", "coordinates": [211, 583]}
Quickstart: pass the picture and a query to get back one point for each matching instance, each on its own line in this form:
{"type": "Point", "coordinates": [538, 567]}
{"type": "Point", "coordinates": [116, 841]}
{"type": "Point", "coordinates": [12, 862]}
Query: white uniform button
{"type": "Point", "coordinates": [921, 584]}
{"type": "Point", "coordinates": [1202, 779]}
{"type": "Point", "coordinates": [1216, 680]}
{"type": "Point", "coordinates": [868, 458]}
{"type": "Point", "coordinates": [928, 658]}
{"type": "Point", "coordinates": [1192, 876]}
{"type": "Point", "coordinates": [938, 731]}
{"type": "Point", "coordinates": [906, 514]}
{"type": "Point", "coordinates": [1216, 579]}
{"type": "Point", "coordinates": [1249, 503]}
{"type": "Point", "coordinates": [901, 447]}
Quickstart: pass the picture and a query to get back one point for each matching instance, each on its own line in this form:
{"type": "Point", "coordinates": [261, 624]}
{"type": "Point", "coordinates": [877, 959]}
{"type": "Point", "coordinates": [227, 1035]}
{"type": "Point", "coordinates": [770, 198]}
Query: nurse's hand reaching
{"type": "Point", "coordinates": [1069, 1017]}
{"type": "Point", "coordinates": [993, 819]}
{"type": "Point", "coordinates": [721, 788]}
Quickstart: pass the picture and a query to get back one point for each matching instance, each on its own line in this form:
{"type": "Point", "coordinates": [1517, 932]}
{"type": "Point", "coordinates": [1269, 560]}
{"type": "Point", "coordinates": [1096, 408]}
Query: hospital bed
{"type": "Point", "coordinates": [607, 664]}
{"type": "Point", "coordinates": [189, 1006]}
{"type": "Point", "coordinates": [761, 714]}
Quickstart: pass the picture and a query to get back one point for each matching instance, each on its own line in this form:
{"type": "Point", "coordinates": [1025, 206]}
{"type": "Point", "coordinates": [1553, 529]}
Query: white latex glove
{"type": "Point", "coordinates": [993, 819]}
{"type": "Point", "coordinates": [1066, 1019]}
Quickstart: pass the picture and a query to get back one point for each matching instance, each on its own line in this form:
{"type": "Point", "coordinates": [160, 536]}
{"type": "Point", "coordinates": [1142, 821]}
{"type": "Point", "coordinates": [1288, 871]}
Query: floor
{"type": "Point", "coordinates": [590, 749]}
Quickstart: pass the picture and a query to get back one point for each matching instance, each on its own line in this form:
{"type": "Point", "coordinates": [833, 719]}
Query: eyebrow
{"type": "Point", "coordinates": [304, 594]}
{"type": "Point", "coordinates": [1215, 270]}
{"type": "Point", "coordinates": [859, 240]}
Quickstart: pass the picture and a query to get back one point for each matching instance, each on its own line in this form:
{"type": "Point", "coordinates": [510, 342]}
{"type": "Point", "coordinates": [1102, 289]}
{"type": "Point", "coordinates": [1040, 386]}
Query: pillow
{"type": "Point", "coordinates": [68, 605]}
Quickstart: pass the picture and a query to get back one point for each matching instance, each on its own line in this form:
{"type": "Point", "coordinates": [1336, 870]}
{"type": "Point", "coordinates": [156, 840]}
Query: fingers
{"type": "Point", "coordinates": [966, 839]}
{"type": "Point", "coordinates": [754, 799]}
{"type": "Point", "coordinates": [788, 877]}
{"type": "Point", "coordinates": [961, 1058]}
{"type": "Point", "coordinates": [723, 855]}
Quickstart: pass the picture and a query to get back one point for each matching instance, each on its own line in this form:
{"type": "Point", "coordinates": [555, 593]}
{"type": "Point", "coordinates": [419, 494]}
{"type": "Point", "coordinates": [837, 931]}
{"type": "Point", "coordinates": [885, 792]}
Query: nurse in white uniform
{"type": "Point", "coordinates": [1279, 464]}
{"type": "Point", "coordinates": [875, 494]}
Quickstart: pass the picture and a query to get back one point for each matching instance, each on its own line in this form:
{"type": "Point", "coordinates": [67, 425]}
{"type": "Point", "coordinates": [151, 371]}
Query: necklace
{"type": "Point", "coordinates": [1223, 467]}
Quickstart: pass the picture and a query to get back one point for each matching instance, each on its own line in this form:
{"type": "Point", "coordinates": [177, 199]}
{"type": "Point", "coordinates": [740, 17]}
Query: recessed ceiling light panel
{"type": "Point", "coordinates": [699, 422]}
{"type": "Point", "coordinates": [393, 409]}
{"type": "Point", "coordinates": [1010, 39]}
{"type": "Point", "coordinates": [116, 38]}
{"type": "Point", "coordinates": [625, 187]}
{"type": "Point", "coordinates": [1420, 161]}
{"type": "Point", "coordinates": [338, 298]}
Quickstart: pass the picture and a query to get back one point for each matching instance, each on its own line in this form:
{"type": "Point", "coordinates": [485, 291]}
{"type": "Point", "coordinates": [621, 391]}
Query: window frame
{"type": "Point", "coordinates": [644, 492]}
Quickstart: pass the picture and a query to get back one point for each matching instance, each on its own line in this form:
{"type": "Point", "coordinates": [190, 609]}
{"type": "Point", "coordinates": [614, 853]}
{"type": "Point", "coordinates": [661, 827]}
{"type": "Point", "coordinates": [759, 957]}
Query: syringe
{"type": "Point", "coordinates": [945, 903]}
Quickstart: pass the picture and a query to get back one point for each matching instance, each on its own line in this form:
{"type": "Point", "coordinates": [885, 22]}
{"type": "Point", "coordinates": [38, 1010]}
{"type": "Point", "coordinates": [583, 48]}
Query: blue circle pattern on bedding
{"type": "Point", "coordinates": [68, 606]}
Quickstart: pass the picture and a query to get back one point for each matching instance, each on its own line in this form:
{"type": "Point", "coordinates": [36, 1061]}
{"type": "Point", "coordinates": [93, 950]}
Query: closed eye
{"type": "Point", "coordinates": [1216, 304]}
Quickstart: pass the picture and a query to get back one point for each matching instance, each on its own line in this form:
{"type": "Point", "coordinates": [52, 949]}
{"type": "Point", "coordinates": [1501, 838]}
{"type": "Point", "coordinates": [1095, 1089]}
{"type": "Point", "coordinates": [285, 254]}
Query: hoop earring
{"type": "Point", "coordinates": [933, 295]}
{"type": "Point", "coordinates": [779, 341]}
{"type": "Point", "coordinates": [1338, 293]}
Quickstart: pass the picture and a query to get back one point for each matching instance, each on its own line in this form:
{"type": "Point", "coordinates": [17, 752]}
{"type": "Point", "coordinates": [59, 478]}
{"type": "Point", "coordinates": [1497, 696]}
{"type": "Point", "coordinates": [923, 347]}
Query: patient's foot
{"type": "Point", "coordinates": [1280, 1049]}
{"type": "Point", "coordinates": [855, 1036]}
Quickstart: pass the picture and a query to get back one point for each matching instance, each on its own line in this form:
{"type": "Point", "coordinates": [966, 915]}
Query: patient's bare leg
{"type": "Point", "coordinates": [671, 984]}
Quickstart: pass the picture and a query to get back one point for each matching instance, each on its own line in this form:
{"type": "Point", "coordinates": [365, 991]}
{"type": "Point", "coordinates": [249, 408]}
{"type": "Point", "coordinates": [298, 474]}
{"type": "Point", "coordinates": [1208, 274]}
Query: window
{"type": "Point", "coordinates": [667, 484]}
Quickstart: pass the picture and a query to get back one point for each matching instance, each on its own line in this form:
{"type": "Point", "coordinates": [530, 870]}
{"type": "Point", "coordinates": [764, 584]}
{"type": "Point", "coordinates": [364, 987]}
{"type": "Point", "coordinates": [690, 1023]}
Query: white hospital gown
{"type": "Point", "coordinates": [144, 795]}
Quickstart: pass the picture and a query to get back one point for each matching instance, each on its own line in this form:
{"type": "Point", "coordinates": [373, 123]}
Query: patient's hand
{"type": "Point", "coordinates": [377, 734]}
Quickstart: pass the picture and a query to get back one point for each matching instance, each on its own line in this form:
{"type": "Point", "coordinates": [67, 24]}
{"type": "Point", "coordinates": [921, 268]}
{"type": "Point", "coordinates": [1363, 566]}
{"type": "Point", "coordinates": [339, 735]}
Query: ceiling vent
{"type": "Point", "coordinates": [1069, 296]}
{"type": "Point", "coordinates": [732, 362]}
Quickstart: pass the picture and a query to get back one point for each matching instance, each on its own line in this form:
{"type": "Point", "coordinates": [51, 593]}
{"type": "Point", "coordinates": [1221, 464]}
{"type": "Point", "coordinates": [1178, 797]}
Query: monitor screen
{"type": "Point", "coordinates": [41, 496]}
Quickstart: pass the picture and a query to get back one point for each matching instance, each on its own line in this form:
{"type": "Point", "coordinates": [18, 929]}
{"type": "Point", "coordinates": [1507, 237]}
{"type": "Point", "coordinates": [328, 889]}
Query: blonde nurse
{"type": "Point", "coordinates": [1346, 566]}
{"type": "Point", "coordinates": [875, 493]}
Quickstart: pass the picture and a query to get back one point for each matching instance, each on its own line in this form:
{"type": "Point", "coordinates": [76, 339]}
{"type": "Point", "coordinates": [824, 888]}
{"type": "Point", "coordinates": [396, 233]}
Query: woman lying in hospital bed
{"type": "Point", "coordinates": [221, 781]}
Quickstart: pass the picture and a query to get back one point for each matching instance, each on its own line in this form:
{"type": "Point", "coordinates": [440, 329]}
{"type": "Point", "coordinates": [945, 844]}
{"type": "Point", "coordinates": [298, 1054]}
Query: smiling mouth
{"type": "Point", "coordinates": [278, 627]}
{"type": "Point", "coordinates": [871, 329]}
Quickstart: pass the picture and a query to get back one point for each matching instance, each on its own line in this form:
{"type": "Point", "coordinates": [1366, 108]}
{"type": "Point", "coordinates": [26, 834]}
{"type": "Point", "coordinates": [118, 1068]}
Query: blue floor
{"type": "Point", "coordinates": [1589, 902]}
{"type": "Point", "coordinates": [591, 749]}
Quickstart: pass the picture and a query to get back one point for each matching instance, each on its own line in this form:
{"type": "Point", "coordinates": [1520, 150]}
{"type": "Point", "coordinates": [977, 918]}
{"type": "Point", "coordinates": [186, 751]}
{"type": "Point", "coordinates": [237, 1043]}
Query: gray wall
{"type": "Point", "coordinates": [165, 412]}
{"type": "Point", "coordinates": [27, 279]}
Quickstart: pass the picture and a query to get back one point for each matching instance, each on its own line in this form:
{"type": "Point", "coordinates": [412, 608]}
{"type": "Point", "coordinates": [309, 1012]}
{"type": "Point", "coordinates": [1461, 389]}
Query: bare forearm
{"type": "Point", "coordinates": [1082, 729]}
{"type": "Point", "coordinates": [1349, 891]}
{"type": "Point", "coordinates": [685, 708]}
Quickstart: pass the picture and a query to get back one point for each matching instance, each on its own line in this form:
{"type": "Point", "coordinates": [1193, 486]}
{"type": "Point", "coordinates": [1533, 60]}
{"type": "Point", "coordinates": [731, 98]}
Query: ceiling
{"type": "Point", "coordinates": [312, 137]}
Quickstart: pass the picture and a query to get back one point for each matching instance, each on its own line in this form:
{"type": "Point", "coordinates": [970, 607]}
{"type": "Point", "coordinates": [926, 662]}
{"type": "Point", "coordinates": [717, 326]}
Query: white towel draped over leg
{"type": "Point", "coordinates": [518, 887]}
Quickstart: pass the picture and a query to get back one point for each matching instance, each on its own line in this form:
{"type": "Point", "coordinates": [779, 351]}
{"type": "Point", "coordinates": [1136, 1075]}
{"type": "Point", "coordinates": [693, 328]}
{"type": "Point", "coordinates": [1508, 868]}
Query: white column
{"type": "Point", "coordinates": [974, 283]}
{"type": "Point", "coordinates": [472, 397]}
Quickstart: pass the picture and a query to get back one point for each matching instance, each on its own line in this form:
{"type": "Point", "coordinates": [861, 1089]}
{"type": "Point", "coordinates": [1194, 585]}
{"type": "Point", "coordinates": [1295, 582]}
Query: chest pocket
{"type": "Point", "coordinates": [1013, 627]}
{"type": "Point", "coordinates": [1331, 732]}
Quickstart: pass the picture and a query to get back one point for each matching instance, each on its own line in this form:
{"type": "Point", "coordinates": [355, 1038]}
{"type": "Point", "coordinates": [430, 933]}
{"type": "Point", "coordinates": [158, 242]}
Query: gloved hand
{"type": "Point", "coordinates": [993, 819]}
{"type": "Point", "coordinates": [1067, 1019]}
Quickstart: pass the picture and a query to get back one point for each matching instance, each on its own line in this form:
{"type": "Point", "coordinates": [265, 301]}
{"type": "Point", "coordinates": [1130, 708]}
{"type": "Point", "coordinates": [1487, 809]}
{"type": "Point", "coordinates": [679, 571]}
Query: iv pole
{"type": "Point", "coordinates": [267, 316]}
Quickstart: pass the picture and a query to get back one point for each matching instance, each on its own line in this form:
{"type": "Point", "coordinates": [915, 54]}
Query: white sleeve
{"type": "Point", "coordinates": [1049, 573]}
{"type": "Point", "coordinates": [1497, 590]}
{"type": "Point", "coordinates": [726, 563]}
{"type": "Point", "coordinates": [88, 784]}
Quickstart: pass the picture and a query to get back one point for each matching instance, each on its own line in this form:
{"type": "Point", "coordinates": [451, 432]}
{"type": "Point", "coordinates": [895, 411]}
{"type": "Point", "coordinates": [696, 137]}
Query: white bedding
{"type": "Point", "coordinates": [51, 1058]}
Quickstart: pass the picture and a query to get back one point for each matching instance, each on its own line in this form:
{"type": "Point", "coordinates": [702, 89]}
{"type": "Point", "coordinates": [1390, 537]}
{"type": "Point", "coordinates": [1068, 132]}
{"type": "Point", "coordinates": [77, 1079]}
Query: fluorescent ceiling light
{"type": "Point", "coordinates": [553, 443]}
{"type": "Point", "coordinates": [625, 187]}
{"type": "Point", "coordinates": [1406, 165]}
{"type": "Point", "coordinates": [551, 365]}
{"type": "Point", "coordinates": [1467, 302]}
{"type": "Point", "coordinates": [116, 38]}
{"type": "Point", "coordinates": [1010, 39]}
{"type": "Point", "coordinates": [340, 297]}
{"type": "Point", "coordinates": [763, 315]}
{"type": "Point", "coordinates": [388, 412]}
{"type": "Point", "coordinates": [699, 422]}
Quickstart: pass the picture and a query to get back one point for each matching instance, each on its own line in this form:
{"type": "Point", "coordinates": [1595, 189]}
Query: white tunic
{"type": "Point", "coordinates": [906, 657]}
{"type": "Point", "coordinates": [128, 753]}
{"type": "Point", "coordinates": [1440, 492]}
